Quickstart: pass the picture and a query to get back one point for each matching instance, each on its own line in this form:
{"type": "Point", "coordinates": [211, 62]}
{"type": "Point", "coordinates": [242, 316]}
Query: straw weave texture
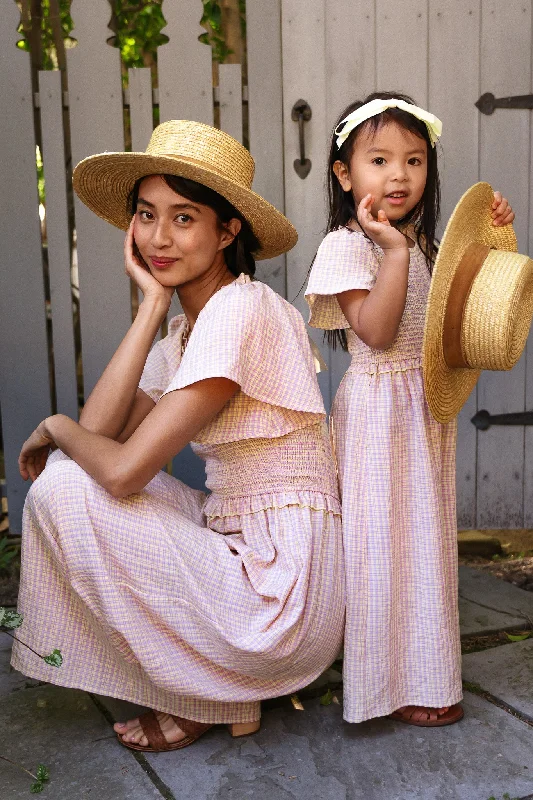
{"type": "Point", "coordinates": [492, 329]}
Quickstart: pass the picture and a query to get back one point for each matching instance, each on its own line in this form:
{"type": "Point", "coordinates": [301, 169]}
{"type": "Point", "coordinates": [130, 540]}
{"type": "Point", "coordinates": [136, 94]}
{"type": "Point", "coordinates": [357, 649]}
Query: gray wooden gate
{"type": "Point", "coordinates": [443, 52]}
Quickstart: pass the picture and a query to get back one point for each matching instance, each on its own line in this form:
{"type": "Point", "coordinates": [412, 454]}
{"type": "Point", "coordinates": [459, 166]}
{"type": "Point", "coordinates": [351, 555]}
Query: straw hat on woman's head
{"type": "Point", "coordinates": [190, 150]}
{"type": "Point", "coordinates": [480, 304]}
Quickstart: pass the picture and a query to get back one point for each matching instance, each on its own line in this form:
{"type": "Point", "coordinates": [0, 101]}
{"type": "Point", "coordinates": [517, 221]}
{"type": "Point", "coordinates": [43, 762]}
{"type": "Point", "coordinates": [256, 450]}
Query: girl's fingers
{"type": "Point", "coordinates": [505, 220]}
{"type": "Point", "coordinates": [501, 209]}
{"type": "Point", "coordinates": [497, 200]}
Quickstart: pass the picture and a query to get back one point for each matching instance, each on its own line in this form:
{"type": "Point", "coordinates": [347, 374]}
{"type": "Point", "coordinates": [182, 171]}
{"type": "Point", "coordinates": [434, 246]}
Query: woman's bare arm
{"type": "Point", "coordinates": [115, 399]}
{"type": "Point", "coordinates": [125, 468]}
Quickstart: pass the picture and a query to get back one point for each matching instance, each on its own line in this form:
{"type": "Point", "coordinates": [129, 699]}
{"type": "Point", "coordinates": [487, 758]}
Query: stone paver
{"type": "Point", "coordinates": [297, 755]}
{"type": "Point", "coordinates": [313, 755]}
{"type": "Point", "coordinates": [506, 672]}
{"type": "Point", "coordinates": [488, 604]}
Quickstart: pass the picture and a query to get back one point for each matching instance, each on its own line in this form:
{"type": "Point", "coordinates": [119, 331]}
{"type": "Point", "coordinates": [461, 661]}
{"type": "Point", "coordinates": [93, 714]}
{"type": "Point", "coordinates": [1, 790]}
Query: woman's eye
{"type": "Point", "coordinates": [379, 160]}
{"type": "Point", "coordinates": [183, 218]}
{"type": "Point", "coordinates": [145, 214]}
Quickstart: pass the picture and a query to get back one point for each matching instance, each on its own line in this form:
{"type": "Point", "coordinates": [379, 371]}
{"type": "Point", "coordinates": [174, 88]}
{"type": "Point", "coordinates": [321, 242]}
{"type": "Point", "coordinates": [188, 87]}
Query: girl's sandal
{"type": "Point", "coordinates": [413, 715]}
{"type": "Point", "coordinates": [157, 742]}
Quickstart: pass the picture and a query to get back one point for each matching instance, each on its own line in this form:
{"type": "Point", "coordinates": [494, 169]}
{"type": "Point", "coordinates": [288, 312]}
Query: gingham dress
{"type": "Point", "coordinates": [397, 474]}
{"type": "Point", "coordinates": [199, 605]}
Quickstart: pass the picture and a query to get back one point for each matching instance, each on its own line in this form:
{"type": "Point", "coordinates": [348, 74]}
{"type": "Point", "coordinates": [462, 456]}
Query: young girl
{"type": "Point", "coordinates": [368, 288]}
{"type": "Point", "coordinates": [197, 607]}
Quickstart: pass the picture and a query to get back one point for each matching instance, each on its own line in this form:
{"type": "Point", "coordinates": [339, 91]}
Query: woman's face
{"type": "Point", "coordinates": [178, 239]}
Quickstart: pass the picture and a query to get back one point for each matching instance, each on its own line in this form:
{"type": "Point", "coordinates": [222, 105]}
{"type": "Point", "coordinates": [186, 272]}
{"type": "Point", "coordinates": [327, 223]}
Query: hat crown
{"type": "Point", "coordinates": [203, 145]}
{"type": "Point", "coordinates": [498, 311]}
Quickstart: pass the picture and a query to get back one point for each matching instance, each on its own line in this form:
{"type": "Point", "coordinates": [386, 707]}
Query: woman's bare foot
{"type": "Point", "coordinates": [131, 730]}
{"type": "Point", "coordinates": [422, 713]}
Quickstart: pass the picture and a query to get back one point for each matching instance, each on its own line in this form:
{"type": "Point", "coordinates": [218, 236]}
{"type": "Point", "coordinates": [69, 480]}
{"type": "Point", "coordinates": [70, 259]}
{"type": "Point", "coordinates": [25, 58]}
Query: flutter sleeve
{"type": "Point", "coordinates": [163, 360]}
{"type": "Point", "coordinates": [345, 260]}
{"type": "Point", "coordinates": [249, 334]}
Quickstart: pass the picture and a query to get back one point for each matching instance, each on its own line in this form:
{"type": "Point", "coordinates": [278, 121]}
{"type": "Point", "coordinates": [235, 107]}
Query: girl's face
{"type": "Point", "coordinates": [179, 240]}
{"type": "Point", "coordinates": [391, 165]}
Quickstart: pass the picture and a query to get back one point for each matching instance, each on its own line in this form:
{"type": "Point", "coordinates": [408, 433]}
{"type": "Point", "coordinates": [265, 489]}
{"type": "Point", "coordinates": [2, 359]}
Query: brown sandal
{"type": "Point", "coordinates": [192, 730]}
{"type": "Point", "coordinates": [433, 720]}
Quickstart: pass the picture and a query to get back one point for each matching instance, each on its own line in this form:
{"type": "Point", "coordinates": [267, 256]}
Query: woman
{"type": "Point", "coordinates": [197, 607]}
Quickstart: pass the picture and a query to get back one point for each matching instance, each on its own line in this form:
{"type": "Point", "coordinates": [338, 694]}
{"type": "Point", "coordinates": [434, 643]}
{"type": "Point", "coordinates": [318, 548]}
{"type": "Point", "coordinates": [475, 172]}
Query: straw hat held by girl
{"type": "Point", "coordinates": [194, 606]}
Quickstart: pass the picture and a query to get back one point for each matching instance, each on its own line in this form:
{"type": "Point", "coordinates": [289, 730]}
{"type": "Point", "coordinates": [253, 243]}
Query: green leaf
{"type": "Point", "coordinates": [55, 659]}
{"type": "Point", "coordinates": [36, 787]}
{"type": "Point", "coordinates": [10, 619]}
{"type": "Point", "coordinates": [326, 698]}
{"type": "Point", "coordinates": [518, 637]}
{"type": "Point", "coordinates": [43, 773]}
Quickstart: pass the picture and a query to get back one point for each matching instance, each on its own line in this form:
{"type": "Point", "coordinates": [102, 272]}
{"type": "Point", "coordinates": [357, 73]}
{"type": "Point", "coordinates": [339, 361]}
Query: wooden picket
{"type": "Point", "coordinates": [59, 245]}
{"type": "Point", "coordinates": [24, 375]}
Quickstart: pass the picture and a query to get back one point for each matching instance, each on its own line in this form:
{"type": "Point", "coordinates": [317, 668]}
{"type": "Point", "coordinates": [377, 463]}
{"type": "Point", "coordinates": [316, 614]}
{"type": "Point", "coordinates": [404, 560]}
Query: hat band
{"type": "Point", "coordinates": [467, 270]}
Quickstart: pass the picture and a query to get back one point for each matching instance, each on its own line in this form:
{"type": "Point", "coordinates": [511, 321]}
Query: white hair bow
{"type": "Point", "coordinates": [433, 124]}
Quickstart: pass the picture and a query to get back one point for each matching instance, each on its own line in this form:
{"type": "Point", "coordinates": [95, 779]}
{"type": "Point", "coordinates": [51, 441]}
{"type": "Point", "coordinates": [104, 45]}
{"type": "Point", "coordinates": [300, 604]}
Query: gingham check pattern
{"type": "Point", "coordinates": [198, 607]}
{"type": "Point", "coordinates": [250, 334]}
{"type": "Point", "coordinates": [397, 472]}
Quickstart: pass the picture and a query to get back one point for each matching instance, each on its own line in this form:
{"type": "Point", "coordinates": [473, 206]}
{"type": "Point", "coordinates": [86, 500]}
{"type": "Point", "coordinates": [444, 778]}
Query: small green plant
{"type": "Point", "coordinates": [9, 620]}
{"type": "Point", "coordinates": [41, 775]}
{"type": "Point", "coordinates": [505, 796]}
{"type": "Point", "coordinates": [327, 698]}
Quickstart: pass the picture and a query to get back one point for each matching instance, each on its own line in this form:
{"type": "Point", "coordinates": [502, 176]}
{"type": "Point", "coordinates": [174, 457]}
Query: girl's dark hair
{"type": "Point", "coordinates": [341, 207]}
{"type": "Point", "coordinates": [239, 254]}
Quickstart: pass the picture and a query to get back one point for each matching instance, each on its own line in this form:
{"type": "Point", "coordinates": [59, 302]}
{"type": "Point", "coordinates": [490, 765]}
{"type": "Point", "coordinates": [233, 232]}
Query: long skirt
{"type": "Point", "coordinates": [397, 475]}
{"type": "Point", "coordinates": [150, 605]}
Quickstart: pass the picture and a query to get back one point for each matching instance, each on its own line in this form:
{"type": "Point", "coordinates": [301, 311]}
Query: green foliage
{"type": "Point", "coordinates": [505, 796]}
{"type": "Point", "coordinates": [138, 30]}
{"type": "Point", "coordinates": [326, 698]}
{"type": "Point", "coordinates": [137, 25]}
{"type": "Point", "coordinates": [43, 776]}
{"type": "Point", "coordinates": [55, 659]}
{"type": "Point", "coordinates": [518, 637]}
{"type": "Point", "coordinates": [49, 56]}
{"type": "Point", "coordinates": [10, 619]}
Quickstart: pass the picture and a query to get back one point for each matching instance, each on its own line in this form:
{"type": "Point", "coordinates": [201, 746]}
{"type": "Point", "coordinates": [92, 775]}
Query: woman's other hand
{"type": "Point", "coordinates": [502, 213]}
{"type": "Point", "coordinates": [35, 450]}
{"type": "Point", "coordinates": [141, 275]}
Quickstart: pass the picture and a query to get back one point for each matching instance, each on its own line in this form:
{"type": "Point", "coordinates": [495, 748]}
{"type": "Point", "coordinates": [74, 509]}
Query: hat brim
{"type": "Point", "coordinates": [105, 181]}
{"type": "Point", "coordinates": [447, 389]}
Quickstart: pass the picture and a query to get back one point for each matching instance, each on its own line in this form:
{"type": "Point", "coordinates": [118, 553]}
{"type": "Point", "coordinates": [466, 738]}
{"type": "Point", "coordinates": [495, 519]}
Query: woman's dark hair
{"type": "Point", "coordinates": [341, 207]}
{"type": "Point", "coordinates": [239, 254]}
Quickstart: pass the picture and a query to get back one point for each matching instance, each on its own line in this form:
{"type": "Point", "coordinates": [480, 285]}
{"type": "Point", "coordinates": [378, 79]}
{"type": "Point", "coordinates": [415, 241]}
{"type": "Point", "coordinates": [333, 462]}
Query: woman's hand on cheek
{"type": "Point", "coordinates": [502, 213]}
{"type": "Point", "coordinates": [34, 452]}
{"type": "Point", "coordinates": [140, 274]}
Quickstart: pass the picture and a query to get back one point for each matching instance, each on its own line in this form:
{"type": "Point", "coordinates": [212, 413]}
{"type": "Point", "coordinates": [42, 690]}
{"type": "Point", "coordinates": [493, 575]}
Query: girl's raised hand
{"type": "Point", "coordinates": [149, 286]}
{"type": "Point", "coordinates": [380, 230]}
{"type": "Point", "coordinates": [502, 213]}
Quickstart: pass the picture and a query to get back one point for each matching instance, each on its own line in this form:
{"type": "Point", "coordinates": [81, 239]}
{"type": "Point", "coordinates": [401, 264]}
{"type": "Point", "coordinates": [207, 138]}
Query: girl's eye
{"type": "Point", "coordinates": [379, 160]}
{"type": "Point", "coordinates": [145, 214]}
{"type": "Point", "coordinates": [183, 218]}
{"type": "Point", "coordinates": [414, 162]}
